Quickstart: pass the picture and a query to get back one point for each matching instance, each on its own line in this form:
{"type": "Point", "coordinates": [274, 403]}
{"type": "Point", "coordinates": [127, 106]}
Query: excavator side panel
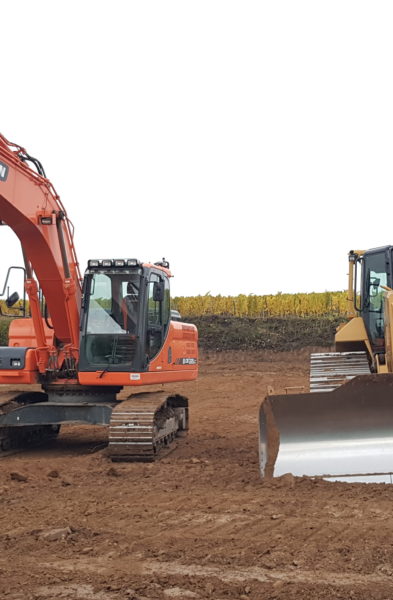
{"type": "Point", "coordinates": [346, 433]}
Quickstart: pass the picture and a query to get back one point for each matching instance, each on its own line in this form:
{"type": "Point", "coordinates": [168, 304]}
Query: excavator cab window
{"type": "Point", "coordinates": [100, 318]}
{"type": "Point", "coordinates": [112, 320]}
{"type": "Point", "coordinates": [130, 305]}
{"type": "Point", "coordinates": [154, 317]}
{"type": "Point", "coordinates": [158, 314]}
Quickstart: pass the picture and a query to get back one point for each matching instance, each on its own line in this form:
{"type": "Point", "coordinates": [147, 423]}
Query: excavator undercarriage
{"type": "Point", "coordinates": [18, 437]}
{"type": "Point", "coordinates": [142, 427]}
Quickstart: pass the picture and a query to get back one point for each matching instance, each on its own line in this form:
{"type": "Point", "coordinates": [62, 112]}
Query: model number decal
{"type": "Point", "coordinates": [186, 361]}
{"type": "Point", "coordinates": [3, 171]}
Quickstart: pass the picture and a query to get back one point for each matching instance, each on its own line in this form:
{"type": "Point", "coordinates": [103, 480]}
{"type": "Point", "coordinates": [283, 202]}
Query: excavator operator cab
{"type": "Point", "coordinates": [376, 275]}
{"type": "Point", "coordinates": [125, 315]}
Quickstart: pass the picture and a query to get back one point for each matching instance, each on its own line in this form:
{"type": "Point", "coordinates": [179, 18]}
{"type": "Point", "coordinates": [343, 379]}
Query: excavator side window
{"type": "Point", "coordinates": [129, 305]}
{"type": "Point", "coordinates": [154, 319]}
{"type": "Point", "coordinates": [166, 305]}
{"type": "Point", "coordinates": [158, 311]}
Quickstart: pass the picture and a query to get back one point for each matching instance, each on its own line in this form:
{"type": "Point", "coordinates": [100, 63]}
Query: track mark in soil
{"type": "Point", "coordinates": [231, 574]}
{"type": "Point", "coordinates": [73, 591]}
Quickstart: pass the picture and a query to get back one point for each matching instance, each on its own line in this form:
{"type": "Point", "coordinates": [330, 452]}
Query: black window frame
{"type": "Point", "coordinates": [367, 313]}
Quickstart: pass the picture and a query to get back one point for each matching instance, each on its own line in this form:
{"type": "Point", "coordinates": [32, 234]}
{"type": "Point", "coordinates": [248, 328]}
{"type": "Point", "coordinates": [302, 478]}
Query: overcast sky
{"type": "Point", "coordinates": [250, 143]}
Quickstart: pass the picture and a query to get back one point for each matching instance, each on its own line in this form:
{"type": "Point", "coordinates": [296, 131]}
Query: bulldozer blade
{"type": "Point", "coordinates": [346, 434]}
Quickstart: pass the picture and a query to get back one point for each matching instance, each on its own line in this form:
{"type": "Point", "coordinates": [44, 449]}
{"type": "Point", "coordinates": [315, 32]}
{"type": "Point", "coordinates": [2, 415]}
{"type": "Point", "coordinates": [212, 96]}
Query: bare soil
{"type": "Point", "coordinates": [198, 524]}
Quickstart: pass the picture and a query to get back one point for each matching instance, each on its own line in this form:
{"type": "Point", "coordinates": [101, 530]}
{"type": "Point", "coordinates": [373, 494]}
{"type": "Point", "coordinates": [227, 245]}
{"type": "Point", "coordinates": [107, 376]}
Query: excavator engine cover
{"type": "Point", "coordinates": [345, 434]}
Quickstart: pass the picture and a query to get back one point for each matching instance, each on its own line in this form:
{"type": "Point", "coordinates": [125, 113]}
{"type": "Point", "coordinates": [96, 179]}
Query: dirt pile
{"type": "Point", "coordinates": [279, 334]}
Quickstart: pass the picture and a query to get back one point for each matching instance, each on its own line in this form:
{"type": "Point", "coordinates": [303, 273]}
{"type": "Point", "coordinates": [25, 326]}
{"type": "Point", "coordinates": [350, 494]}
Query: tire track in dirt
{"type": "Point", "coordinates": [232, 574]}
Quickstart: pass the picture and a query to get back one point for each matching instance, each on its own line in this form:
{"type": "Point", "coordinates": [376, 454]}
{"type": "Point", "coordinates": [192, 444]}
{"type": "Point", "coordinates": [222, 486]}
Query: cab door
{"type": "Point", "coordinates": [158, 311]}
{"type": "Point", "coordinates": [376, 273]}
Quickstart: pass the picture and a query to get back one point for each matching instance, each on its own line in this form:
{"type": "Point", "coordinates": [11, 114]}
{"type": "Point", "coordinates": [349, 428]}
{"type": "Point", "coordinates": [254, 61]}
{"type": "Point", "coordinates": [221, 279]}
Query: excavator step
{"type": "Point", "coordinates": [330, 370]}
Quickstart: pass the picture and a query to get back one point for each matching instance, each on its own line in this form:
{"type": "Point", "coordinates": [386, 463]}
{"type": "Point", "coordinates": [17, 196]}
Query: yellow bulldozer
{"type": "Point", "coordinates": [343, 428]}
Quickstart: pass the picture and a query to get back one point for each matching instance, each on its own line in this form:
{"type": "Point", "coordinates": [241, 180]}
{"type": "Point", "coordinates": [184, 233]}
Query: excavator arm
{"type": "Point", "coordinates": [30, 205]}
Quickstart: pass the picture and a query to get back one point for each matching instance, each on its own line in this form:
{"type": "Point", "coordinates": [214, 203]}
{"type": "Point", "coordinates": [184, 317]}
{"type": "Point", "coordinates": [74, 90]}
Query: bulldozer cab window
{"type": "Point", "coordinates": [376, 276]}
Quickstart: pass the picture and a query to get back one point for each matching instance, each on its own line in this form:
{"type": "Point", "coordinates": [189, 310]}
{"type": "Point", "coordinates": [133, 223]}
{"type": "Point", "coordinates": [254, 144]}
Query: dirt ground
{"type": "Point", "coordinates": [198, 524]}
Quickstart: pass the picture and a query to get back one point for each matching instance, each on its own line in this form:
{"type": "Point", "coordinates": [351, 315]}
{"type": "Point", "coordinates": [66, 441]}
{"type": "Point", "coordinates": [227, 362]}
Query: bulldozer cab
{"type": "Point", "coordinates": [376, 274]}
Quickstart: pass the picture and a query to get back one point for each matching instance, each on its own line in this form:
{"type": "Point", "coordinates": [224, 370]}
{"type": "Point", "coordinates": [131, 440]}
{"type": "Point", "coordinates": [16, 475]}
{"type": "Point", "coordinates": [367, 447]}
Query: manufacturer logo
{"type": "Point", "coordinates": [3, 171]}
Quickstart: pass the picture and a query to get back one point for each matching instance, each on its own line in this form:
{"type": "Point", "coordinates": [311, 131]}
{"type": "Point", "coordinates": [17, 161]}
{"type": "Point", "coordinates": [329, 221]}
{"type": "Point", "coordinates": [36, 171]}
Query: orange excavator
{"type": "Point", "coordinates": [86, 338]}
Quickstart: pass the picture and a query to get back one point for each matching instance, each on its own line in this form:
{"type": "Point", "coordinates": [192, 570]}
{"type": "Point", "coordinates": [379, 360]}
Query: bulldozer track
{"type": "Point", "coordinates": [329, 370]}
{"type": "Point", "coordinates": [144, 427]}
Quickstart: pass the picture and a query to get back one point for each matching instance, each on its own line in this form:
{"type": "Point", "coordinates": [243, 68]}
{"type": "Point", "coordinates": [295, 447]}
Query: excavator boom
{"type": "Point", "coordinates": [30, 206]}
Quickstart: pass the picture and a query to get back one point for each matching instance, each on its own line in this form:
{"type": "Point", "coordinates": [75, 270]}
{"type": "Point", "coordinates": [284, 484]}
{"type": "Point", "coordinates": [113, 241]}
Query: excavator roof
{"type": "Point", "coordinates": [114, 263]}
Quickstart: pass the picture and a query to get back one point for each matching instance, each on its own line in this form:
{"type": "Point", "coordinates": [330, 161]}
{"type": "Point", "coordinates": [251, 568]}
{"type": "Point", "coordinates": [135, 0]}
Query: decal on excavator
{"type": "Point", "coordinates": [186, 361]}
{"type": "Point", "coordinates": [3, 171]}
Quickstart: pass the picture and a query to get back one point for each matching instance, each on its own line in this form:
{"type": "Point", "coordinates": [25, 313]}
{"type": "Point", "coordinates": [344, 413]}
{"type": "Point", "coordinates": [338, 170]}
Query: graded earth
{"type": "Point", "coordinates": [198, 524]}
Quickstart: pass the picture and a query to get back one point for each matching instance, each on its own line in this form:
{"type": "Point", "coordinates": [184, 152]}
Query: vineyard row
{"type": "Point", "coordinates": [277, 305]}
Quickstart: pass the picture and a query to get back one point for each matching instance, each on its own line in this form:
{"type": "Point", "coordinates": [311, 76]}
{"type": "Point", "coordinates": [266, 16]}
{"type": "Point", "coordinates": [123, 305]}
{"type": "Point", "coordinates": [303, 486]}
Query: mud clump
{"type": "Point", "coordinates": [52, 535]}
{"type": "Point", "coordinates": [17, 476]}
{"type": "Point", "coordinates": [53, 474]}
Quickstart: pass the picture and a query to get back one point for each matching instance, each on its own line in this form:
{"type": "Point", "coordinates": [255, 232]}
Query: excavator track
{"type": "Point", "coordinates": [330, 370]}
{"type": "Point", "coordinates": [144, 427]}
{"type": "Point", "coordinates": [16, 439]}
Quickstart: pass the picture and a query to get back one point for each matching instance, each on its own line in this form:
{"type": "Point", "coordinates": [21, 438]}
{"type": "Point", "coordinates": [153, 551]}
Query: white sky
{"type": "Point", "coordinates": [250, 143]}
